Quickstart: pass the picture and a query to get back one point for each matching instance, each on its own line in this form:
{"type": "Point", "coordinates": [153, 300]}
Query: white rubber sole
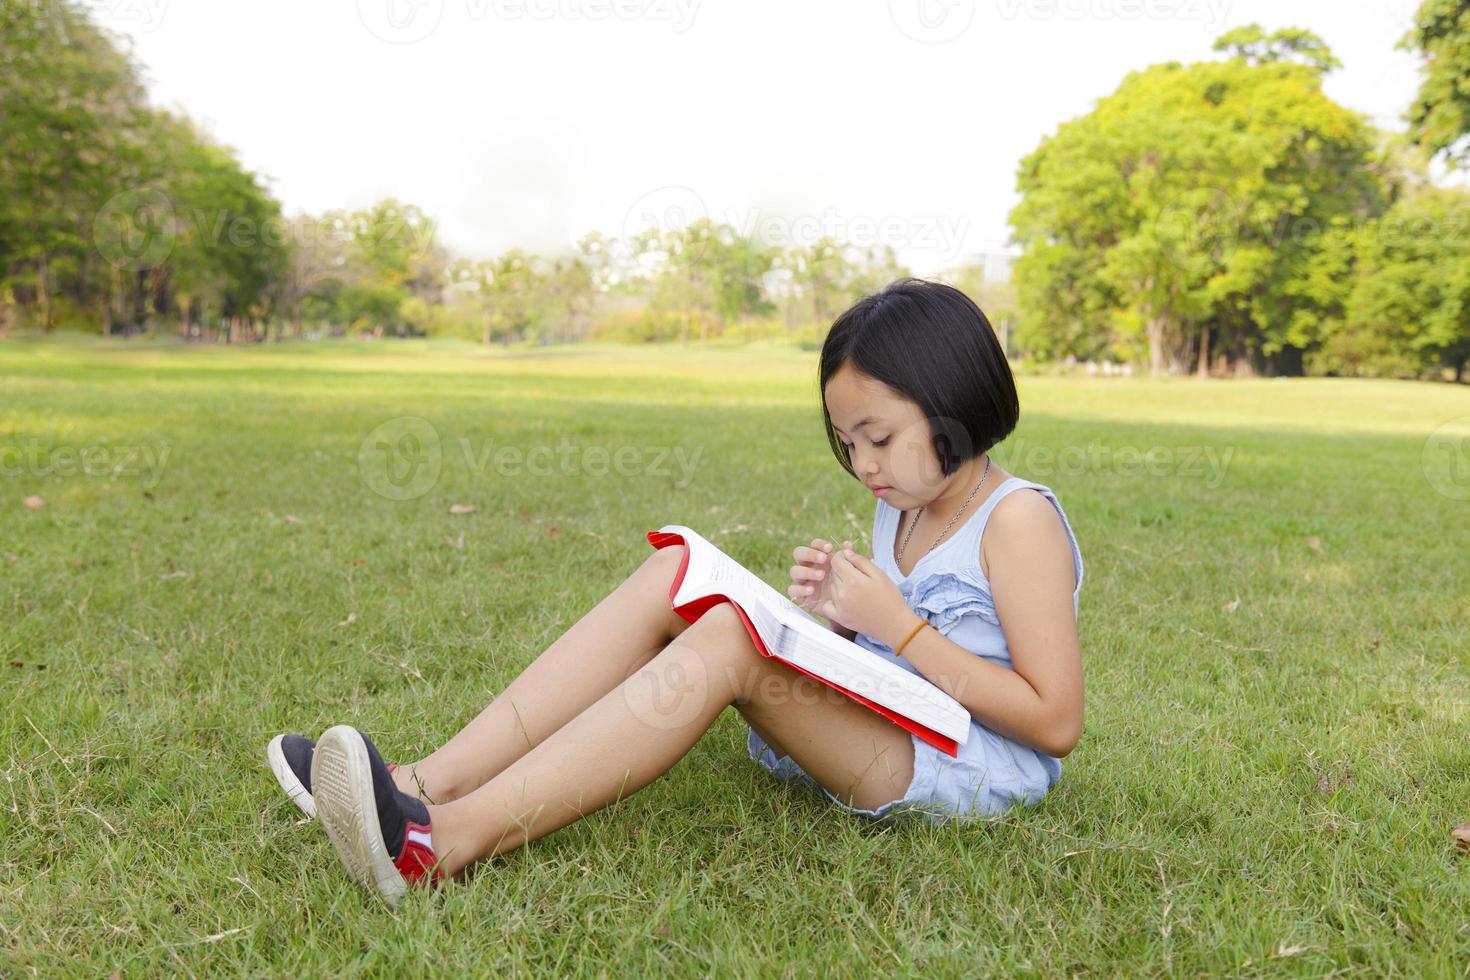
{"type": "Point", "coordinates": [297, 793]}
{"type": "Point", "coordinates": [345, 805]}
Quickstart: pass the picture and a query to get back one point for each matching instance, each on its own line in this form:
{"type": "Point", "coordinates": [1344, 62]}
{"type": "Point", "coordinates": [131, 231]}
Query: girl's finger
{"type": "Point", "coordinates": [810, 556]}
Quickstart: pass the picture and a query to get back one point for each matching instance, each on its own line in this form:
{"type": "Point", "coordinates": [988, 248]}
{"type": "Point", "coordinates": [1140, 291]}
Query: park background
{"type": "Point", "coordinates": [209, 533]}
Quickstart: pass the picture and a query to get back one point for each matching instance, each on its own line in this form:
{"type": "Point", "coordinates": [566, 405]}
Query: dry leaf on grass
{"type": "Point", "coordinates": [553, 532]}
{"type": "Point", "coordinates": [351, 618]}
{"type": "Point", "coordinates": [1461, 836]}
{"type": "Point", "coordinates": [33, 502]}
{"type": "Point", "coordinates": [291, 519]}
{"type": "Point", "coordinates": [462, 508]}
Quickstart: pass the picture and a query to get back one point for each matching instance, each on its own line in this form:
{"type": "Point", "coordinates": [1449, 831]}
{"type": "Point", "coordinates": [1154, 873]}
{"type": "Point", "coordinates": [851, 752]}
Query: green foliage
{"type": "Point", "coordinates": [1253, 45]}
{"type": "Point", "coordinates": [1193, 199]}
{"type": "Point", "coordinates": [120, 208]}
{"type": "Point", "coordinates": [1439, 118]}
{"type": "Point", "coordinates": [1409, 310]}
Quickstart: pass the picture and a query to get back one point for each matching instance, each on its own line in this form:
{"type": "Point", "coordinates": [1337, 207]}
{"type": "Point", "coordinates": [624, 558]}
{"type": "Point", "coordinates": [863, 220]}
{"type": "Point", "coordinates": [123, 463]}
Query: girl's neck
{"type": "Point", "coordinates": [962, 483]}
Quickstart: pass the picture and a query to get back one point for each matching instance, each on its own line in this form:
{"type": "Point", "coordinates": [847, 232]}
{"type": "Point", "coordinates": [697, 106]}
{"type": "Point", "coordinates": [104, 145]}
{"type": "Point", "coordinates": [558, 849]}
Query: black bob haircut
{"type": "Point", "coordinates": [930, 343]}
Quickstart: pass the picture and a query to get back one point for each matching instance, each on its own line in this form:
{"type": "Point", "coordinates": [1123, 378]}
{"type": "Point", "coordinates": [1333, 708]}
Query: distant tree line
{"type": "Point", "coordinates": [1224, 217]}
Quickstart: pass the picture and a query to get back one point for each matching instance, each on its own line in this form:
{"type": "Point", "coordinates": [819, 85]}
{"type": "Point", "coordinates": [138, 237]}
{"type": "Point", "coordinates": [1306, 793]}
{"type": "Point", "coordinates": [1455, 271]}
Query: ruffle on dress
{"type": "Point", "coordinates": [944, 598]}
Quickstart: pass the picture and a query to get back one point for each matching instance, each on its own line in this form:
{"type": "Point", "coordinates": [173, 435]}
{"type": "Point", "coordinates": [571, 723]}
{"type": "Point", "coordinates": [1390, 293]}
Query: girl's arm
{"type": "Point", "coordinates": [1039, 703]}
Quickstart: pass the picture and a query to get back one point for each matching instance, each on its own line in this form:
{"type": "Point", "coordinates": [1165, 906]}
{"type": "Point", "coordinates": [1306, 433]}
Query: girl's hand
{"type": "Point", "coordinates": [862, 595]}
{"type": "Point", "coordinates": [811, 579]}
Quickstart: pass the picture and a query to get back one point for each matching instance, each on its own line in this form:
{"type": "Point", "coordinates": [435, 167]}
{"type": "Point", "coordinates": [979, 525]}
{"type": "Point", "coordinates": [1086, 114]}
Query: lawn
{"type": "Point", "coordinates": [1275, 621]}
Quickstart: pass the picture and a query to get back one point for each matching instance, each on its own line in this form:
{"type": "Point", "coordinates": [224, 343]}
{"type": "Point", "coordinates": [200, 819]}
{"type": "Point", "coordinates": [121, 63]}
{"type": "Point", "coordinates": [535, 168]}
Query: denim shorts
{"type": "Point", "coordinates": [983, 780]}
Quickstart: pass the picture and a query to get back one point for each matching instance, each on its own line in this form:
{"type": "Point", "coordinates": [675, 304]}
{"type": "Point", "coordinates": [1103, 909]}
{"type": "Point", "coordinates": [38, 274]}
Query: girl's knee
{"type": "Point", "coordinates": [663, 564]}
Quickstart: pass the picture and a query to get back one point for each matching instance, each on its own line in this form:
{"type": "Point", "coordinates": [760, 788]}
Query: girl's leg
{"type": "Point", "coordinates": [634, 733]}
{"type": "Point", "coordinates": [619, 635]}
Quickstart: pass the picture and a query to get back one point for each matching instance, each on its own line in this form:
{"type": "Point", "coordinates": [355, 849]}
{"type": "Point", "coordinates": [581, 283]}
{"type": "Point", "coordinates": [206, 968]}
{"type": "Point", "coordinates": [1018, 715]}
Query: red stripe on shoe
{"type": "Point", "coordinates": [417, 859]}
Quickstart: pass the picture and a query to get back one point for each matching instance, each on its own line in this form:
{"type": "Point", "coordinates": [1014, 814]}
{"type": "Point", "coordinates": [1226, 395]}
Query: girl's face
{"type": "Point", "coordinates": [887, 439]}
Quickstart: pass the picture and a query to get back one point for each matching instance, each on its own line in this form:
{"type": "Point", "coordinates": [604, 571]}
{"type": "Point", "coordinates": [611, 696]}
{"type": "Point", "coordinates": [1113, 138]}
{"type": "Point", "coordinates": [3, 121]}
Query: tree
{"type": "Point", "coordinates": [1409, 309]}
{"type": "Point", "coordinates": [1254, 46]}
{"type": "Point", "coordinates": [1439, 117]}
{"type": "Point", "coordinates": [1188, 203]}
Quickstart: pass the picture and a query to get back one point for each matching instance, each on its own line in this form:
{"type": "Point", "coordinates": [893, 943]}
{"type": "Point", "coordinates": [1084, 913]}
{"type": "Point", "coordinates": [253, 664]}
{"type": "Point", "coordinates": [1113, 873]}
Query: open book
{"type": "Point", "coordinates": [783, 630]}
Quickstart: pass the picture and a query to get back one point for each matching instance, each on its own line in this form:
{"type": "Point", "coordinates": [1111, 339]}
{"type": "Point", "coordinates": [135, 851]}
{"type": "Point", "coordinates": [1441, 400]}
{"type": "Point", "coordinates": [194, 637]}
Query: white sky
{"type": "Point", "coordinates": [529, 122]}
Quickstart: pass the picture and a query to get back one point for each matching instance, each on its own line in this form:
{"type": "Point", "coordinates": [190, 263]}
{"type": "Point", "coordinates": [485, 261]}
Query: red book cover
{"type": "Point", "coordinates": [691, 611]}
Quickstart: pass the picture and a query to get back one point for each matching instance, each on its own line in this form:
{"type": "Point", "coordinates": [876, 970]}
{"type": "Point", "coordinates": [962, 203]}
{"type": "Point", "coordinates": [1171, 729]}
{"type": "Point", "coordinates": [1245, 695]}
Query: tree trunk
{"type": "Point", "coordinates": [1459, 369]}
{"type": "Point", "coordinates": [43, 294]}
{"type": "Point", "coordinates": [1154, 331]}
{"type": "Point", "coordinates": [1203, 368]}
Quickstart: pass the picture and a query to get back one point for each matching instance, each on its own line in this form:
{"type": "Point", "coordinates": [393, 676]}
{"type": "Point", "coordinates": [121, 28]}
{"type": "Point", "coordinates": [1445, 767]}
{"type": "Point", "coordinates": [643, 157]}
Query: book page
{"type": "Point", "coordinates": [711, 570]}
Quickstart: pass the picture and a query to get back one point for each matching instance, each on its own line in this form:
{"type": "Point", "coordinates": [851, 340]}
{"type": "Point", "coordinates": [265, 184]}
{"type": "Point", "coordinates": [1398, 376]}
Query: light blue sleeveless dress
{"type": "Point", "coordinates": [947, 587]}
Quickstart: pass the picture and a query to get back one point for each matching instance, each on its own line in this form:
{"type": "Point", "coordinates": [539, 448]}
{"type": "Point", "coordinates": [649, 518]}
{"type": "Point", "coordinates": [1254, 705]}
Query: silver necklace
{"type": "Point", "coordinates": [956, 517]}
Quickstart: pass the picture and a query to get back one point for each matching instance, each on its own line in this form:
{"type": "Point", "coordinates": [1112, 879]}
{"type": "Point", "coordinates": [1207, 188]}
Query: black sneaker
{"type": "Point", "coordinates": [290, 759]}
{"type": "Point", "coordinates": [380, 832]}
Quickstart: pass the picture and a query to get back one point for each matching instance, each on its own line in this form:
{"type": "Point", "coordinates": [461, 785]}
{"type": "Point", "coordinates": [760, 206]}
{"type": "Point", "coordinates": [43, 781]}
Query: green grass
{"type": "Point", "coordinates": [1275, 654]}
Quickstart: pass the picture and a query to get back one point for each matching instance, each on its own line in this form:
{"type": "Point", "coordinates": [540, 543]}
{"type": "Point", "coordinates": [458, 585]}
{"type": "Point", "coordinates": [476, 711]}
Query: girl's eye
{"type": "Point", "coordinates": [883, 443]}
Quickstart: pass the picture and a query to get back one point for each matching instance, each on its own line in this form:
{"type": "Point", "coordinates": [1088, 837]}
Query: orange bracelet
{"type": "Point", "coordinates": [912, 634]}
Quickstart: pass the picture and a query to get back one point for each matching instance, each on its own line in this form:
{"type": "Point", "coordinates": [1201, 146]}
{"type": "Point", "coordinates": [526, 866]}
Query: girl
{"type": "Point", "coordinates": [972, 584]}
